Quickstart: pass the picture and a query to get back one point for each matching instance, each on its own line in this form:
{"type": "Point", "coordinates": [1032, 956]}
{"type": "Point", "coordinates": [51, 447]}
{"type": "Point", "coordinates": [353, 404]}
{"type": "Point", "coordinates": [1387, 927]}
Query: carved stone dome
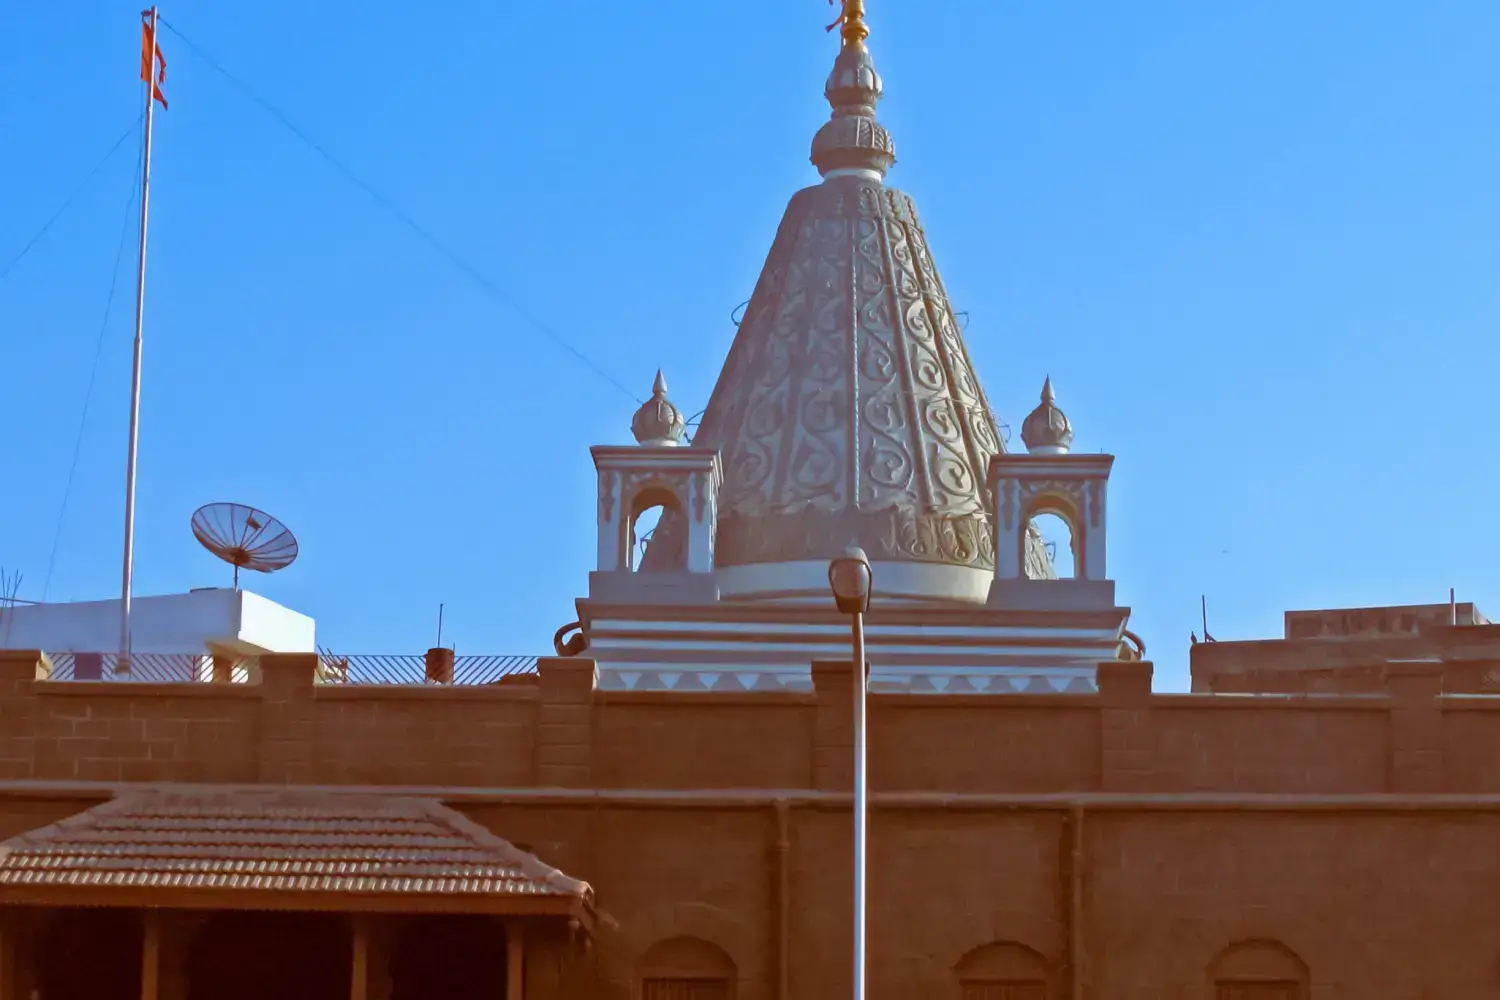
{"type": "Point", "coordinates": [1047, 430]}
{"type": "Point", "coordinates": [848, 412]}
{"type": "Point", "coordinates": [658, 423]}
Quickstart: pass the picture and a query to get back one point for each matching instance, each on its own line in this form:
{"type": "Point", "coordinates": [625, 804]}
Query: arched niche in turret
{"type": "Point", "coordinates": [683, 481]}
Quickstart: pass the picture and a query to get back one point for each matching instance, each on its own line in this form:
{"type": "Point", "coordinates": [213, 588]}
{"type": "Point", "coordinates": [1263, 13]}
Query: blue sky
{"type": "Point", "coordinates": [1253, 244]}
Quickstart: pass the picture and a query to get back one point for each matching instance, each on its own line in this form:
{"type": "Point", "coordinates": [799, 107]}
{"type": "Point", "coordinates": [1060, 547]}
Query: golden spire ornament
{"type": "Point", "coordinates": [852, 20]}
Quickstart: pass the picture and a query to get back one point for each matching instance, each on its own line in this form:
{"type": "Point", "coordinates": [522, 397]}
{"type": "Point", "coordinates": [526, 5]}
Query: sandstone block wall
{"type": "Point", "coordinates": [1113, 840]}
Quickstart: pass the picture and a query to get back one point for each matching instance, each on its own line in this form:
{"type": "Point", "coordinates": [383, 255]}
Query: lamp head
{"type": "Point", "coordinates": [850, 579]}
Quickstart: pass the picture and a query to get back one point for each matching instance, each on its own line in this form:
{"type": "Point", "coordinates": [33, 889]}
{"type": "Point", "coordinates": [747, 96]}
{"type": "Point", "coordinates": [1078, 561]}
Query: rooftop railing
{"type": "Point", "coordinates": [358, 669]}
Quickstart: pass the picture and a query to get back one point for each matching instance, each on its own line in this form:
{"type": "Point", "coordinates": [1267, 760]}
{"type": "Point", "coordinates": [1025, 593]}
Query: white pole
{"type": "Point", "coordinates": [860, 804]}
{"type": "Point", "coordinates": [123, 666]}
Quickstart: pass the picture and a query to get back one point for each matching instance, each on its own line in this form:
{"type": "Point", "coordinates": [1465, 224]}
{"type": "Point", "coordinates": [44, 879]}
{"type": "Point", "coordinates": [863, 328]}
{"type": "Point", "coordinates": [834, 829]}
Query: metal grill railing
{"type": "Point", "coordinates": [146, 668]}
{"type": "Point", "coordinates": [368, 668]}
{"type": "Point", "coordinates": [172, 668]}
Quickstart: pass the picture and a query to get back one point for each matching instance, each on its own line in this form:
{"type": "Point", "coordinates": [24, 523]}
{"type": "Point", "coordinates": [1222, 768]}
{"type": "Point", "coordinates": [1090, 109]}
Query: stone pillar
{"type": "Point", "coordinates": [286, 720]}
{"type": "Point", "coordinates": [223, 668]}
{"type": "Point", "coordinates": [1127, 743]}
{"type": "Point", "coordinates": [612, 516]}
{"type": "Point", "coordinates": [565, 722]}
{"type": "Point", "coordinates": [1095, 531]}
{"type": "Point", "coordinates": [19, 668]}
{"type": "Point", "coordinates": [833, 726]}
{"type": "Point", "coordinates": [1414, 687]}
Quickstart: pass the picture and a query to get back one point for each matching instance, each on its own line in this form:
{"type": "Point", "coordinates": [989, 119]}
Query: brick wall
{"type": "Point", "coordinates": [1124, 837]}
{"type": "Point", "coordinates": [560, 732]}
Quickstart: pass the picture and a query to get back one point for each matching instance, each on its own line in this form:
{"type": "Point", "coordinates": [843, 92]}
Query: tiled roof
{"type": "Point", "coordinates": [253, 842]}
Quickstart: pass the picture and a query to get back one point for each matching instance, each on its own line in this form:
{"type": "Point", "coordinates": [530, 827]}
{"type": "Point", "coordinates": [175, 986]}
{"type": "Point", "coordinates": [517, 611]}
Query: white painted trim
{"type": "Point", "coordinates": [981, 633]}
{"type": "Point", "coordinates": [598, 644]}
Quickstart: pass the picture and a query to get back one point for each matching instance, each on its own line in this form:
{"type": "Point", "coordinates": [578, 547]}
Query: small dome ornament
{"type": "Point", "coordinates": [852, 141]}
{"type": "Point", "coordinates": [1047, 430]}
{"type": "Point", "coordinates": [658, 423]}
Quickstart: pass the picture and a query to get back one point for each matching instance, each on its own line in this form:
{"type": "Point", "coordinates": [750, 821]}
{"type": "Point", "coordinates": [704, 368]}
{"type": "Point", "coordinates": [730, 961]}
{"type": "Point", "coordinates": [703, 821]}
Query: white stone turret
{"type": "Point", "coordinates": [658, 472]}
{"type": "Point", "coordinates": [1051, 479]}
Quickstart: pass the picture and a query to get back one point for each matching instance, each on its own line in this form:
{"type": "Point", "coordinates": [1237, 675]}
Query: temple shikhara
{"type": "Point", "coordinates": [662, 809]}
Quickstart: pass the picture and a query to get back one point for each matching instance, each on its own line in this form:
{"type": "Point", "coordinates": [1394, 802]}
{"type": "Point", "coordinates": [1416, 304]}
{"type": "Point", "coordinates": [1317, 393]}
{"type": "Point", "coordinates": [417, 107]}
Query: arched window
{"type": "Point", "coordinates": [649, 508]}
{"type": "Point", "coordinates": [1054, 516]}
{"type": "Point", "coordinates": [1258, 970]}
{"type": "Point", "coordinates": [1057, 536]}
{"type": "Point", "coordinates": [686, 968]}
{"type": "Point", "coordinates": [1003, 970]}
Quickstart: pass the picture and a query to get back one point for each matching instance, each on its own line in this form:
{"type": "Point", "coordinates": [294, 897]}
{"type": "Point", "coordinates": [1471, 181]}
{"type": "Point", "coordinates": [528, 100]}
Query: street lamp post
{"type": "Point", "coordinates": [850, 579]}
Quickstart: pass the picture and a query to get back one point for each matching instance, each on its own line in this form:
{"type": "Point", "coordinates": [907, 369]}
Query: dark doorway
{"type": "Point", "coordinates": [90, 955]}
{"type": "Point", "coordinates": [271, 956]}
{"type": "Point", "coordinates": [448, 958]}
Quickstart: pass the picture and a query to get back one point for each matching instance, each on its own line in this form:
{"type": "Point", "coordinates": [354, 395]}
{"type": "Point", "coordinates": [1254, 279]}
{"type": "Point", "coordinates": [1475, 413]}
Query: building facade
{"type": "Point", "coordinates": [1113, 844]}
{"type": "Point", "coordinates": [662, 811]}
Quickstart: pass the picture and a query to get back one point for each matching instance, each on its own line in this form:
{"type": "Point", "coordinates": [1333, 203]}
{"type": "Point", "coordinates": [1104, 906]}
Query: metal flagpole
{"type": "Point", "coordinates": [123, 665]}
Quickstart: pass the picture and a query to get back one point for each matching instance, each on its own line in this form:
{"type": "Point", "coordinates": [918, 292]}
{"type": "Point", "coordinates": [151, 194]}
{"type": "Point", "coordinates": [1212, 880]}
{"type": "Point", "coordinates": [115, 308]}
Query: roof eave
{"type": "Point", "coordinates": [179, 898]}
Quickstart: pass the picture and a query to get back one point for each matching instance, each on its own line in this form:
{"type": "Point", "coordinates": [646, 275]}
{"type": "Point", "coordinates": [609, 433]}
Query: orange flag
{"type": "Point", "coordinates": [151, 58]}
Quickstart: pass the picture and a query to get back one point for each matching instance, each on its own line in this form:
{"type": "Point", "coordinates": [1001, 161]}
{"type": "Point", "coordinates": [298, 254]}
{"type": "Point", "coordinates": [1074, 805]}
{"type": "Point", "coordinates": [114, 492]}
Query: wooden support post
{"type": "Point", "coordinates": [10, 974]}
{"type": "Point", "coordinates": [515, 962]}
{"type": "Point", "coordinates": [359, 976]}
{"type": "Point", "coordinates": [151, 955]}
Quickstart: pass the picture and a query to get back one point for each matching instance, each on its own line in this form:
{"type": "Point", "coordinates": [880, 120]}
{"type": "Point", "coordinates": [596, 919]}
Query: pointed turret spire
{"type": "Point", "coordinates": [1047, 431]}
{"type": "Point", "coordinates": [853, 142]}
{"type": "Point", "coordinates": [658, 423]}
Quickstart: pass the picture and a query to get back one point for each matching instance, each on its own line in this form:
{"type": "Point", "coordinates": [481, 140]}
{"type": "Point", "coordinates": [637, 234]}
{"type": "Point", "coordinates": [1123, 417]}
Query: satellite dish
{"type": "Point", "coordinates": [244, 537]}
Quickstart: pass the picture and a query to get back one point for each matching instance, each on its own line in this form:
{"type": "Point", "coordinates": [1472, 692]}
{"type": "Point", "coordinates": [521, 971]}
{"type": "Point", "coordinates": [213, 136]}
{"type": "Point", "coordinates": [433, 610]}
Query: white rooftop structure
{"type": "Point", "coordinates": [207, 621]}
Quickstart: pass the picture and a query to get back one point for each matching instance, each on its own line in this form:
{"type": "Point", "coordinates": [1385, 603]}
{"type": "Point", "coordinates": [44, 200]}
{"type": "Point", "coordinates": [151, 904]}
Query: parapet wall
{"type": "Point", "coordinates": [561, 732]}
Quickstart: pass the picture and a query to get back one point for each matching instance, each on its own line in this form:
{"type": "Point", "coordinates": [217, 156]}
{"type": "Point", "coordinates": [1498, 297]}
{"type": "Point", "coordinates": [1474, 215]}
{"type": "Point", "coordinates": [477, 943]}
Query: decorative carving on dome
{"type": "Point", "coordinates": [891, 534]}
{"type": "Point", "coordinates": [849, 386]}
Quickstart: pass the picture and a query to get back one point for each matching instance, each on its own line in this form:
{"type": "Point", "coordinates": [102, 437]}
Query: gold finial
{"type": "Point", "coordinates": [852, 18]}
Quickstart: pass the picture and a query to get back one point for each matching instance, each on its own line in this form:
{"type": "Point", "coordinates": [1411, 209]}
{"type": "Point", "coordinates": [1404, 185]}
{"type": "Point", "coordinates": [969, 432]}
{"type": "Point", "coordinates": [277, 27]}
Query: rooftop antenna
{"type": "Point", "coordinates": [1203, 605]}
{"type": "Point", "coordinates": [1452, 606]}
{"type": "Point", "coordinates": [439, 643]}
{"type": "Point", "coordinates": [10, 586]}
{"type": "Point", "coordinates": [244, 537]}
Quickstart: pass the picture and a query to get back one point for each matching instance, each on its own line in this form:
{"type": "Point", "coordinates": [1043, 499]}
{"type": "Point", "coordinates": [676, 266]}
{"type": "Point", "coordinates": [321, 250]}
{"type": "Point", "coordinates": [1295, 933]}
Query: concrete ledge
{"type": "Point", "coordinates": [1052, 595]}
{"type": "Point", "coordinates": [653, 588]}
